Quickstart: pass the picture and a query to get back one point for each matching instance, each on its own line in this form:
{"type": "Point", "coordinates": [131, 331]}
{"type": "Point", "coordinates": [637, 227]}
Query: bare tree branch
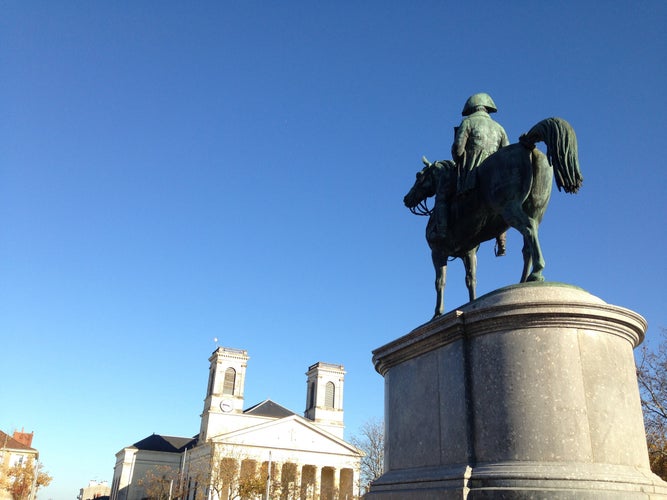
{"type": "Point", "coordinates": [371, 442]}
{"type": "Point", "coordinates": [652, 379]}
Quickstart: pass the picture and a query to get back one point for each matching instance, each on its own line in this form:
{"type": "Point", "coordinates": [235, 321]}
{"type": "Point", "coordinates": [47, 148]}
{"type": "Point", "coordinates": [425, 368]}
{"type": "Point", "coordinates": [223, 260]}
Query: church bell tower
{"type": "Point", "coordinates": [224, 395]}
{"type": "Point", "coordinates": [324, 399]}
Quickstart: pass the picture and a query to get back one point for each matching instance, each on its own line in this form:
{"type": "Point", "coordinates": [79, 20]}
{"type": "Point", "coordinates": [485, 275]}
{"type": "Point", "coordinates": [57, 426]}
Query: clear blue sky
{"type": "Point", "coordinates": [171, 173]}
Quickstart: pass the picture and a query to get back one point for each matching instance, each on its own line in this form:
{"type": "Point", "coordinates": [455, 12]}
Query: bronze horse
{"type": "Point", "coordinates": [513, 190]}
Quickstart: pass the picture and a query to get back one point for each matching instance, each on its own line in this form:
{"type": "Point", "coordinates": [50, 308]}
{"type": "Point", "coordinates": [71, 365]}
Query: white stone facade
{"type": "Point", "coordinates": [304, 457]}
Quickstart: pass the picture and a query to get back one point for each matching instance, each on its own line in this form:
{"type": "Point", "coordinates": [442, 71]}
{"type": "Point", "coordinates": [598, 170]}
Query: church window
{"type": "Point", "coordinates": [230, 381]}
{"type": "Point", "coordinates": [329, 393]}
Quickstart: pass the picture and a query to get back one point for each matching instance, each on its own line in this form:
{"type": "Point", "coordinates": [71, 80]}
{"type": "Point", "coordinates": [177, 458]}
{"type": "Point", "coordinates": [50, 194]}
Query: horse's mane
{"type": "Point", "coordinates": [446, 183]}
{"type": "Point", "coordinates": [444, 164]}
{"type": "Point", "coordinates": [558, 135]}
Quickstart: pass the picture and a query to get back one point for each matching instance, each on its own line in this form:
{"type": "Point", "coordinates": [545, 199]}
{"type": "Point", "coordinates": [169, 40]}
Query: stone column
{"type": "Point", "coordinates": [276, 475]}
{"type": "Point", "coordinates": [336, 479]}
{"type": "Point", "coordinates": [317, 482]}
{"type": "Point", "coordinates": [356, 482]}
{"type": "Point", "coordinates": [297, 477]}
{"type": "Point", "coordinates": [239, 465]}
{"type": "Point", "coordinates": [527, 392]}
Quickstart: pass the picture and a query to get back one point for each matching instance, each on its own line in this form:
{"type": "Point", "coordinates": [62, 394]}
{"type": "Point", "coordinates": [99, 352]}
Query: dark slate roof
{"type": "Point", "coordinates": [171, 444]}
{"type": "Point", "coordinates": [268, 408]}
{"type": "Point", "coordinates": [8, 442]}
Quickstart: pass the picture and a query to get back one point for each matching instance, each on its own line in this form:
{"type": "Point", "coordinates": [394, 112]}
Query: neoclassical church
{"type": "Point", "coordinates": [239, 452]}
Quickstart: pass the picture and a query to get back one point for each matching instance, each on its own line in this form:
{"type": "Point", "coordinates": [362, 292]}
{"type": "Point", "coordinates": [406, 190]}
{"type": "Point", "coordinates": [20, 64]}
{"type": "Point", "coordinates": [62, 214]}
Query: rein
{"type": "Point", "coordinates": [421, 209]}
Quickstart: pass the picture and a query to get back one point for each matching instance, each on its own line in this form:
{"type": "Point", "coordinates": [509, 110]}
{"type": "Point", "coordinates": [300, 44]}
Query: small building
{"type": "Point", "coordinates": [95, 490]}
{"type": "Point", "coordinates": [263, 451]}
{"type": "Point", "coordinates": [15, 450]}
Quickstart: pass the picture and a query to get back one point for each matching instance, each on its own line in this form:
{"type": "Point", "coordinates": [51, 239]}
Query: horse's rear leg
{"type": "Point", "coordinates": [532, 253]}
{"type": "Point", "coordinates": [538, 259]}
{"type": "Point", "coordinates": [440, 266]}
{"type": "Point", "coordinates": [470, 263]}
{"type": "Point", "coordinates": [536, 251]}
{"type": "Point", "coordinates": [527, 262]}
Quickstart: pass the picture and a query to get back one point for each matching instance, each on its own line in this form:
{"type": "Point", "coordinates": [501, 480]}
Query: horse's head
{"type": "Point", "coordinates": [428, 183]}
{"type": "Point", "coordinates": [425, 186]}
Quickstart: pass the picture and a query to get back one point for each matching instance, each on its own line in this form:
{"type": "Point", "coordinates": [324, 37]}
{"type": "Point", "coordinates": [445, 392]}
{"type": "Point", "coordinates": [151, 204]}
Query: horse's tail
{"type": "Point", "coordinates": [562, 154]}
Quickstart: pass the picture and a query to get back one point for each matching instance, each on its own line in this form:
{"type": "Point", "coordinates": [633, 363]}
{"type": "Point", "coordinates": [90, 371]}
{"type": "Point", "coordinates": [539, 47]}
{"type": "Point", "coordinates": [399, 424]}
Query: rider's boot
{"type": "Point", "coordinates": [501, 239]}
{"type": "Point", "coordinates": [440, 230]}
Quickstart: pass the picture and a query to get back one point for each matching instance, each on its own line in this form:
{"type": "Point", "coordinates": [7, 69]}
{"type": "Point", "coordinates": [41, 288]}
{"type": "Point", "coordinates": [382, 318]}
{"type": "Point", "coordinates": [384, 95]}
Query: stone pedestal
{"type": "Point", "coordinates": [527, 392]}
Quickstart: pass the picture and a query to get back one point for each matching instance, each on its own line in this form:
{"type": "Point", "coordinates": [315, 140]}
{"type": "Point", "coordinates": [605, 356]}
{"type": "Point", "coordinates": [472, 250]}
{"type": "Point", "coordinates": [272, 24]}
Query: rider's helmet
{"type": "Point", "coordinates": [481, 99]}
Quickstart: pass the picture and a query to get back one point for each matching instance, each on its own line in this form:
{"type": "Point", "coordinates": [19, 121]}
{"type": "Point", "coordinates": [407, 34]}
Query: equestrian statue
{"type": "Point", "coordinates": [490, 187]}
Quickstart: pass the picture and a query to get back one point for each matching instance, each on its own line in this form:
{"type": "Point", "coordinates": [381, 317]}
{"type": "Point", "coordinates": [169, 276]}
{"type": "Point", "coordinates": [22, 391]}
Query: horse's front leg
{"type": "Point", "coordinates": [470, 263]}
{"type": "Point", "coordinates": [440, 265]}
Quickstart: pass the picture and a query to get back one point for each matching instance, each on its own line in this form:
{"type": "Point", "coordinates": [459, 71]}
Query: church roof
{"type": "Point", "coordinates": [172, 444]}
{"type": "Point", "coordinates": [268, 408]}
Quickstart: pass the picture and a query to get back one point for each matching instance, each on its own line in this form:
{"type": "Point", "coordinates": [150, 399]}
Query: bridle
{"type": "Point", "coordinates": [421, 209]}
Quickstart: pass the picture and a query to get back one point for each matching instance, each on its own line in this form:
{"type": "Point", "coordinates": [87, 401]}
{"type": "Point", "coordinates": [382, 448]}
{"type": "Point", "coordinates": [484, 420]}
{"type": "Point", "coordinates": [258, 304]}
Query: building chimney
{"type": "Point", "coordinates": [24, 438]}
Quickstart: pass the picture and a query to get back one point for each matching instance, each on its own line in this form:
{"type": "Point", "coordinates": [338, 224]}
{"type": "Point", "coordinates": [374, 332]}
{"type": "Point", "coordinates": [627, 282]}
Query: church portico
{"type": "Point", "coordinates": [291, 481]}
{"type": "Point", "coordinates": [326, 483]}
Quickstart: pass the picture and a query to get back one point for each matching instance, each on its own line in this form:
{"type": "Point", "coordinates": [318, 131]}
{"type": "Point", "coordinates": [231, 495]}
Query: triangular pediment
{"type": "Point", "coordinates": [289, 433]}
